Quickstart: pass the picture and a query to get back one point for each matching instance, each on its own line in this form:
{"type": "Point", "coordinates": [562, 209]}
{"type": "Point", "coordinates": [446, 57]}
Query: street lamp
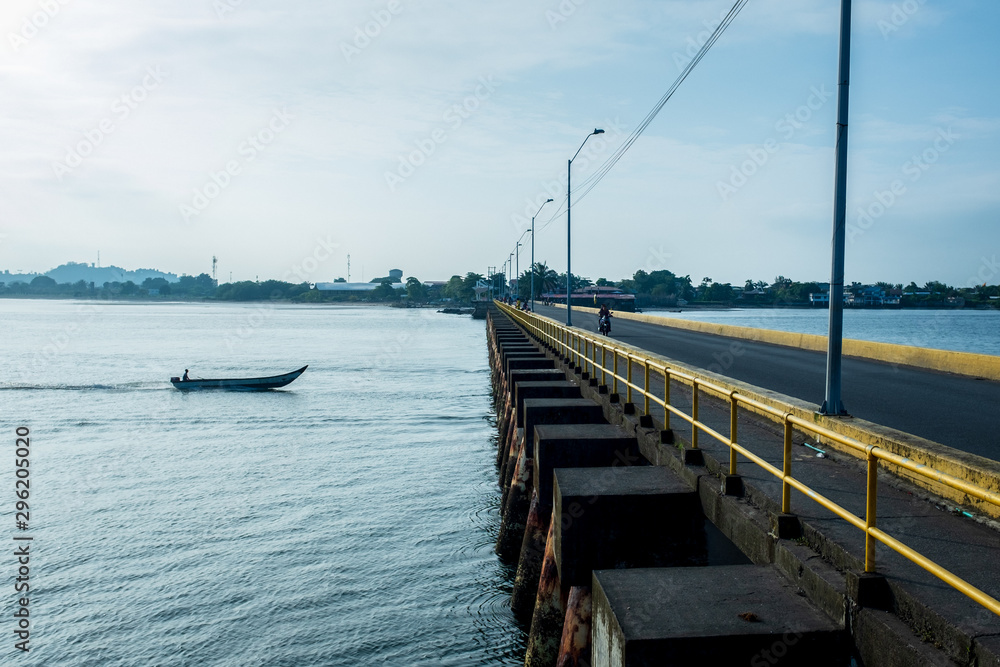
{"type": "Point", "coordinates": [833, 405]}
{"type": "Point", "coordinates": [510, 267]}
{"type": "Point", "coordinates": [569, 273]}
{"type": "Point", "coordinates": [532, 271]}
{"type": "Point", "coordinates": [517, 270]}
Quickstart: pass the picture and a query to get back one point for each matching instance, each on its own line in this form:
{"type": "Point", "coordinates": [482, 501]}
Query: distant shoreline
{"type": "Point", "coordinates": [657, 309]}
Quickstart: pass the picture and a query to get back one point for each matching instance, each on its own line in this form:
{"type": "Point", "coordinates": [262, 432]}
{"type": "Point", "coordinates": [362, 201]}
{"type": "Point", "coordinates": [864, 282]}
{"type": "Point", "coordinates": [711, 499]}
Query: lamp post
{"type": "Point", "coordinates": [532, 270]}
{"type": "Point", "coordinates": [569, 190]}
{"type": "Point", "coordinates": [510, 267]}
{"type": "Point", "coordinates": [833, 405]}
{"type": "Point", "coordinates": [517, 270]}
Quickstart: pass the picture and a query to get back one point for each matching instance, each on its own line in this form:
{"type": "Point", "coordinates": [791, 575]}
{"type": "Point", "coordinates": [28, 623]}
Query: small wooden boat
{"type": "Point", "coordinates": [239, 384]}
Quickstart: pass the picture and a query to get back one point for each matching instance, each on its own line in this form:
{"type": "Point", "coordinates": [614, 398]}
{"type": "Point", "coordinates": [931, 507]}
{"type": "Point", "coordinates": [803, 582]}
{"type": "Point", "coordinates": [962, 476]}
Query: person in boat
{"type": "Point", "coordinates": [185, 378]}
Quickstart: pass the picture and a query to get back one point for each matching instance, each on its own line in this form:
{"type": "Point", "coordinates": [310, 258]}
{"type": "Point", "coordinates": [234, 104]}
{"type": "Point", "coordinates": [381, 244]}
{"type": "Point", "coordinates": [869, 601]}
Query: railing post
{"type": "Point", "coordinates": [786, 469]}
{"type": "Point", "coordinates": [694, 414]}
{"type": "Point", "coordinates": [628, 379]}
{"type": "Point", "coordinates": [666, 399]}
{"type": "Point", "coordinates": [645, 388]}
{"type": "Point", "coordinates": [604, 363]}
{"type": "Point", "coordinates": [733, 419]}
{"type": "Point", "coordinates": [614, 372]}
{"type": "Point", "coordinates": [870, 510]}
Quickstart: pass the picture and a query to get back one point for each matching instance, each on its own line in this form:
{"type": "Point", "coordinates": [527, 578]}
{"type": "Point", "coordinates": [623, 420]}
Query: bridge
{"type": "Point", "coordinates": [882, 524]}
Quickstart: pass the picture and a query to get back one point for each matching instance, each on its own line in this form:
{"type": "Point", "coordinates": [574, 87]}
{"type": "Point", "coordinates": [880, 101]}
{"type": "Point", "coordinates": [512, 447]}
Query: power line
{"type": "Point", "coordinates": [591, 181]}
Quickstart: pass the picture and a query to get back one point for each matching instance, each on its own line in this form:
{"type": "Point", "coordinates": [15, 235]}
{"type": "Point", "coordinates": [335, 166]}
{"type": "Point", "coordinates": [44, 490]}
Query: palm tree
{"type": "Point", "coordinates": [545, 279]}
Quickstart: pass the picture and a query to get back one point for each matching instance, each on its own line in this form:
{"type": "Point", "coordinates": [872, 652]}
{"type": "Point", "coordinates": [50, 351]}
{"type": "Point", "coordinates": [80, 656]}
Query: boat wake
{"type": "Point", "coordinates": [121, 386]}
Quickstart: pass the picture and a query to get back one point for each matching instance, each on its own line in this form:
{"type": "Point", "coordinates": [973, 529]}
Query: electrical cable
{"type": "Point", "coordinates": [591, 181]}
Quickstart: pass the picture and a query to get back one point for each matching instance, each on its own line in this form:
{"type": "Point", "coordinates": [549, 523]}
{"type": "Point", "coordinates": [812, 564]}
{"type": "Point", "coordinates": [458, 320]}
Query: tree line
{"type": "Point", "coordinates": [660, 288]}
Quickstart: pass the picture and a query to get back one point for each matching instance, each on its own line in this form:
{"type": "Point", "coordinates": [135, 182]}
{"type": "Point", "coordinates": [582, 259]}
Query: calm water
{"type": "Point", "coordinates": [346, 520]}
{"type": "Point", "coordinates": [962, 330]}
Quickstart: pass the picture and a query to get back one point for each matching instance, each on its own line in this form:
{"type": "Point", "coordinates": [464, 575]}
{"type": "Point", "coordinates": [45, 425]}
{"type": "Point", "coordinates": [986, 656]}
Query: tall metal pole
{"type": "Point", "coordinates": [510, 269]}
{"type": "Point", "coordinates": [531, 269]}
{"type": "Point", "coordinates": [833, 405]}
{"type": "Point", "coordinates": [569, 236]}
{"type": "Point", "coordinates": [531, 272]}
{"type": "Point", "coordinates": [517, 271]}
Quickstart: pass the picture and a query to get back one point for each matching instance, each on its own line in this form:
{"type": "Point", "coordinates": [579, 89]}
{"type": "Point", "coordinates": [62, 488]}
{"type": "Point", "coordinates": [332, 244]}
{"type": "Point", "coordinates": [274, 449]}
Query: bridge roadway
{"type": "Point", "coordinates": [956, 411]}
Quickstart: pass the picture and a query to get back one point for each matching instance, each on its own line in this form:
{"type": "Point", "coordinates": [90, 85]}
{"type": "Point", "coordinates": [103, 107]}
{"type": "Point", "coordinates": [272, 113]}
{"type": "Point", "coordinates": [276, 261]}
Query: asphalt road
{"type": "Point", "coordinates": [953, 410]}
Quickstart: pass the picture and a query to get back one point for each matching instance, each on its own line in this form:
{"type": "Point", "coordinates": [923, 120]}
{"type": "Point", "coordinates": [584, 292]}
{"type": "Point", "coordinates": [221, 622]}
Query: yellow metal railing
{"type": "Point", "coordinates": [592, 354]}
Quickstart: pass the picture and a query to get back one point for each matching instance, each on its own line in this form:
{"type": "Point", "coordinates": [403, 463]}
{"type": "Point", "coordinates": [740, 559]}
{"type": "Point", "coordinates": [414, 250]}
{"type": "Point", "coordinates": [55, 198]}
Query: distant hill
{"type": "Point", "coordinates": [72, 272]}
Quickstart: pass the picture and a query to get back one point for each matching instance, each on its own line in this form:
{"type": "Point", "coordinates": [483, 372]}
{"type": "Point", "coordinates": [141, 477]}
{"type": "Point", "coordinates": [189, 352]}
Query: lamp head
{"type": "Point", "coordinates": [597, 131]}
{"type": "Point", "coordinates": [547, 201]}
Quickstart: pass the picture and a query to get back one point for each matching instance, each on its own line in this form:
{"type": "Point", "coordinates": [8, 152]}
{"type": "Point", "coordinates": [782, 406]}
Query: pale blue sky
{"type": "Point", "coordinates": [491, 99]}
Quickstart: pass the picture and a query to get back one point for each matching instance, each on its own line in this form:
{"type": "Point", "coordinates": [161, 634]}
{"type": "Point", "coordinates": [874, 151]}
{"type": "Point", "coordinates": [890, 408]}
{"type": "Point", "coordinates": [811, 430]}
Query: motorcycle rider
{"type": "Point", "coordinates": [604, 316]}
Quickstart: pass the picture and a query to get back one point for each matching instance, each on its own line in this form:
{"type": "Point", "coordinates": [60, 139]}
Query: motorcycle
{"type": "Point", "coordinates": [604, 324]}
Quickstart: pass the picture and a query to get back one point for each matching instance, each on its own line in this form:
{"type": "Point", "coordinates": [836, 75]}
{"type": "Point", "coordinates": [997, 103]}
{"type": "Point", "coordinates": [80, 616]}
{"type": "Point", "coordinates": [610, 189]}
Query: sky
{"type": "Point", "coordinates": [282, 137]}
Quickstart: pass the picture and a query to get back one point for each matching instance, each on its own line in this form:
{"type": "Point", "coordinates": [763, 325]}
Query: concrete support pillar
{"type": "Point", "coordinates": [515, 511]}
{"type": "Point", "coordinates": [529, 566]}
{"type": "Point", "coordinates": [549, 614]}
{"type": "Point", "coordinates": [574, 648]}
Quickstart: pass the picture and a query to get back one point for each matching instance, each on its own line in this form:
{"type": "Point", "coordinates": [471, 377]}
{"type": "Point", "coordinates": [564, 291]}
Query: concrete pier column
{"type": "Point", "coordinates": [503, 450]}
{"type": "Point", "coordinates": [550, 612]}
{"type": "Point", "coordinates": [558, 446]}
{"type": "Point", "coordinates": [516, 445]}
{"type": "Point", "coordinates": [637, 516]}
{"type": "Point", "coordinates": [529, 565]}
{"type": "Point", "coordinates": [504, 413]}
{"type": "Point", "coordinates": [721, 615]}
{"type": "Point", "coordinates": [521, 390]}
{"type": "Point", "coordinates": [574, 648]}
{"type": "Point", "coordinates": [514, 514]}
